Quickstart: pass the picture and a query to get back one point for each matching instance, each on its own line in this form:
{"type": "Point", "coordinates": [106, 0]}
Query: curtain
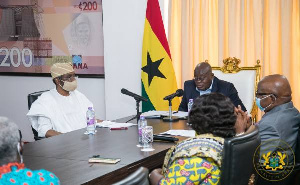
{"type": "Point", "coordinates": [251, 30]}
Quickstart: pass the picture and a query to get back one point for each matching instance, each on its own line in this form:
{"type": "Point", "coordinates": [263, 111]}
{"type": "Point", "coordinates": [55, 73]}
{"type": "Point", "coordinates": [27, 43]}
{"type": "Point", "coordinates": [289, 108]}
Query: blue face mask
{"type": "Point", "coordinates": [258, 100]}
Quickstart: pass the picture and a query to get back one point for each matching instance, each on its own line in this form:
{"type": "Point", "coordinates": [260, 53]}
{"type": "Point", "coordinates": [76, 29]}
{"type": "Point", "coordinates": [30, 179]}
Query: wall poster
{"type": "Point", "coordinates": [34, 34]}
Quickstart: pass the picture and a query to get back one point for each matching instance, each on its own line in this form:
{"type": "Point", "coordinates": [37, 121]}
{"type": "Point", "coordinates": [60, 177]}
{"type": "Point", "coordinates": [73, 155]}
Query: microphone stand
{"type": "Point", "coordinates": [138, 113]}
{"type": "Point", "coordinates": [170, 118]}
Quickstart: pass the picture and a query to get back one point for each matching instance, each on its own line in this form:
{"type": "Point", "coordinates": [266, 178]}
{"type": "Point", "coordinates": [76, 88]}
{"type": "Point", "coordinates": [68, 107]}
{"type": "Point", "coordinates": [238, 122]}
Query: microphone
{"type": "Point", "coordinates": [178, 93]}
{"type": "Point", "coordinates": [135, 96]}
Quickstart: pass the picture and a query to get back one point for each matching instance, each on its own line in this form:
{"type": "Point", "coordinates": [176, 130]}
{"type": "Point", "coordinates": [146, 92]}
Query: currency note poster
{"type": "Point", "coordinates": [35, 34]}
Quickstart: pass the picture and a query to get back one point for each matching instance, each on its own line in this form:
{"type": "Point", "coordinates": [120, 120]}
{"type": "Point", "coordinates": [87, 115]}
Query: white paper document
{"type": "Point", "coordinates": [180, 114]}
{"type": "Point", "coordinates": [157, 114]}
{"type": "Point", "coordinates": [153, 114]}
{"type": "Point", "coordinates": [111, 124]}
{"type": "Point", "coordinates": [185, 133]}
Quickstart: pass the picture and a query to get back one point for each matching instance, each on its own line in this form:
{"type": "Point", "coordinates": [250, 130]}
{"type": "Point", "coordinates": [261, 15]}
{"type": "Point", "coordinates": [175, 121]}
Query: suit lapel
{"type": "Point", "coordinates": [195, 93]}
{"type": "Point", "coordinates": [215, 85]}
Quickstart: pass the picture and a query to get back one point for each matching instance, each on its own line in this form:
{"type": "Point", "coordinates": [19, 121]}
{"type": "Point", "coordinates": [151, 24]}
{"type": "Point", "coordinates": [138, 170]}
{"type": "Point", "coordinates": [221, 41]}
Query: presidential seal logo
{"type": "Point", "coordinates": [274, 160]}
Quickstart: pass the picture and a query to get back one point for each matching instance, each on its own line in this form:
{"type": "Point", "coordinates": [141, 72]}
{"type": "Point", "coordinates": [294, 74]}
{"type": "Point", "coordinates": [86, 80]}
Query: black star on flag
{"type": "Point", "coordinates": [152, 69]}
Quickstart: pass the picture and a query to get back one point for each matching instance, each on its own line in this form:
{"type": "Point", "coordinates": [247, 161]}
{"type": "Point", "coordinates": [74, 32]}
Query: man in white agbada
{"type": "Point", "coordinates": [62, 109]}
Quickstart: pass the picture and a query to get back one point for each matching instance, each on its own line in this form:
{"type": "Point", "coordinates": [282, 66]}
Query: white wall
{"type": "Point", "coordinates": [14, 91]}
{"type": "Point", "coordinates": [123, 40]}
{"type": "Point", "coordinates": [123, 36]}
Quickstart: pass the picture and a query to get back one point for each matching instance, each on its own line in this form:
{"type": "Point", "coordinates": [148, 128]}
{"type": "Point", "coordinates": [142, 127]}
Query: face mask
{"type": "Point", "coordinates": [70, 86]}
{"type": "Point", "coordinates": [258, 100]}
{"type": "Point", "coordinates": [19, 152]}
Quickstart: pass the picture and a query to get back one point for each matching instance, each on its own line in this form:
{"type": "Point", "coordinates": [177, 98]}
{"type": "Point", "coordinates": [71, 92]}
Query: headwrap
{"type": "Point", "coordinates": [59, 69]}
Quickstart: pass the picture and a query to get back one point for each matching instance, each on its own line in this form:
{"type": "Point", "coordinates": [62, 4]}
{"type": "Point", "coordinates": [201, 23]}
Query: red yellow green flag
{"type": "Point", "coordinates": [158, 76]}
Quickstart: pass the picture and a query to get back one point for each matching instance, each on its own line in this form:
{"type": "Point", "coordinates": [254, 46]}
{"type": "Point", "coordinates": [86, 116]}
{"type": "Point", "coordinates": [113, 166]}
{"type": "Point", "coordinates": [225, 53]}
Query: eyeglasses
{"type": "Point", "coordinates": [265, 94]}
{"type": "Point", "coordinates": [69, 77]}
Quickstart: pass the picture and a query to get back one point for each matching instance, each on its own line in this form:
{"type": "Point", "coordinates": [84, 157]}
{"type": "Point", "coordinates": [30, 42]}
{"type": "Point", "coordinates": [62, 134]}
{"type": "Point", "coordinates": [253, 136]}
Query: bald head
{"type": "Point", "coordinates": [278, 85]}
{"type": "Point", "coordinates": [203, 68]}
{"type": "Point", "coordinates": [203, 76]}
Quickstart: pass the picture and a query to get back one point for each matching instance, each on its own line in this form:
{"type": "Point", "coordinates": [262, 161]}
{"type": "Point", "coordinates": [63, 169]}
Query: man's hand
{"type": "Point", "coordinates": [155, 176]}
{"type": "Point", "coordinates": [51, 133]}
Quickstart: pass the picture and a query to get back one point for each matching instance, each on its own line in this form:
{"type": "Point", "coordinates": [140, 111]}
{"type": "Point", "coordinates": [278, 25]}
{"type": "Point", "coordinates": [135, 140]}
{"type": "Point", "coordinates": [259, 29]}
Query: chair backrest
{"type": "Point", "coordinates": [34, 96]}
{"type": "Point", "coordinates": [237, 163]}
{"type": "Point", "coordinates": [139, 177]}
{"type": "Point", "coordinates": [31, 98]}
{"type": "Point", "coordinates": [245, 80]}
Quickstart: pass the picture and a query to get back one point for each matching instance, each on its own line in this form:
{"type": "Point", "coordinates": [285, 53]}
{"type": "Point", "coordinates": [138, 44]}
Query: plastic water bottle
{"type": "Point", "coordinates": [142, 123]}
{"type": "Point", "coordinates": [190, 104]}
{"type": "Point", "coordinates": [90, 118]}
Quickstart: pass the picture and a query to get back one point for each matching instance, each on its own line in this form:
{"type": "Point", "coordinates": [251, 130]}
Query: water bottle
{"type": "Point", "coordinates": [90, 118]}
{"type": "Point", "coordinates": [142, 123]}
{"type": "Point", "coordinates": [190, 104]}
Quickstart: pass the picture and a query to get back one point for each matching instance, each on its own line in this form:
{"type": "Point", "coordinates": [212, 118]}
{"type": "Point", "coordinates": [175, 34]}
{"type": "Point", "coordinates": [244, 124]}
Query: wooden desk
{"type": "Point", "coordinates": [67, 155]}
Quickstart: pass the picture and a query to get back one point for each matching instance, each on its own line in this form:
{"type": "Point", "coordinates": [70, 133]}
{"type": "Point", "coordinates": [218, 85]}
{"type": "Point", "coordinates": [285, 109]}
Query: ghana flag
{"type": "Point", "coordinates": [158, 77]}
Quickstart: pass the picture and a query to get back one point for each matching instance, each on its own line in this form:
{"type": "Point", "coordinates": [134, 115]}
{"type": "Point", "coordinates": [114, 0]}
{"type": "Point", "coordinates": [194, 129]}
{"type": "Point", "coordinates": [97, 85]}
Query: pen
{"type": "Point", "coordinates": [121, 128]}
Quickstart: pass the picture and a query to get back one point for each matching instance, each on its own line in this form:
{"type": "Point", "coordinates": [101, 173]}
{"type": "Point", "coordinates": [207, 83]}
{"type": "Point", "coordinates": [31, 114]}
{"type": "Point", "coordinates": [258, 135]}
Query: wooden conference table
{"type": "Point", "coordinates": [67, 155]}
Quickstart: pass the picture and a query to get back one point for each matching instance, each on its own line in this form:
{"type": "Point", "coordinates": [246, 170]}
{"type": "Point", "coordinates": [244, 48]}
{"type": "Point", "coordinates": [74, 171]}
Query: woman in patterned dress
{"type": "Point", "coordinates": [198, 160]}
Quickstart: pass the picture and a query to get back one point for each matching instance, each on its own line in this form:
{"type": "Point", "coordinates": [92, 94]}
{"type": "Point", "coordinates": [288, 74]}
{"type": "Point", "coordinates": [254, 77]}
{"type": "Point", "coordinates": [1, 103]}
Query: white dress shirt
{"type": "Point", "coordinates": [52, 111]}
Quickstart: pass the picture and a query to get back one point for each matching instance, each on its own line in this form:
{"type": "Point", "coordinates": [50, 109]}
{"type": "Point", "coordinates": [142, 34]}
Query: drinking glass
{"type": "Point", "coordinates": [147, 138]}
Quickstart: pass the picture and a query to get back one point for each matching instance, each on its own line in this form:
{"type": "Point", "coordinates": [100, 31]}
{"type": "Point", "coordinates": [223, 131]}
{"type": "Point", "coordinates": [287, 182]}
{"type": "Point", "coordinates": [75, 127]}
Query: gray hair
{"type": "Point", "coordinates": [9, 139]}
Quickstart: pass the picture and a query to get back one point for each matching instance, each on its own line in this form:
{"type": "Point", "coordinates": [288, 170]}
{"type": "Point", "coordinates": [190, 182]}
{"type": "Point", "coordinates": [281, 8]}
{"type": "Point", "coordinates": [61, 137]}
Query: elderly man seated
{"type": "Point", "coordinates": [279, 126]}
{"type": "Point", "coordinates": [62, 109]}
{"type": "Point", "coordinates": [12, 168]}
{"type": "Point", "coordinates": [281, 120]}
{"type": "Point", "coordinates": [205, 82]}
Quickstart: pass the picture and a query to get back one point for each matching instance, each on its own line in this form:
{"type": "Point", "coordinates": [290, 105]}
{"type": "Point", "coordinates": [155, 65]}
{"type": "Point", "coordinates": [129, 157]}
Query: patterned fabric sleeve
{"type": "Point", "coordinates": [192, 171]}
{"type": "Point", "coordinates": [29, 177]}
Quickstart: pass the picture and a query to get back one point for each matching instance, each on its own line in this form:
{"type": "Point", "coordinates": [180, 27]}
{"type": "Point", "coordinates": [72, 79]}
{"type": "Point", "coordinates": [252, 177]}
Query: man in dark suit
{"type": "Point", "coordinates": [205, 82]}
